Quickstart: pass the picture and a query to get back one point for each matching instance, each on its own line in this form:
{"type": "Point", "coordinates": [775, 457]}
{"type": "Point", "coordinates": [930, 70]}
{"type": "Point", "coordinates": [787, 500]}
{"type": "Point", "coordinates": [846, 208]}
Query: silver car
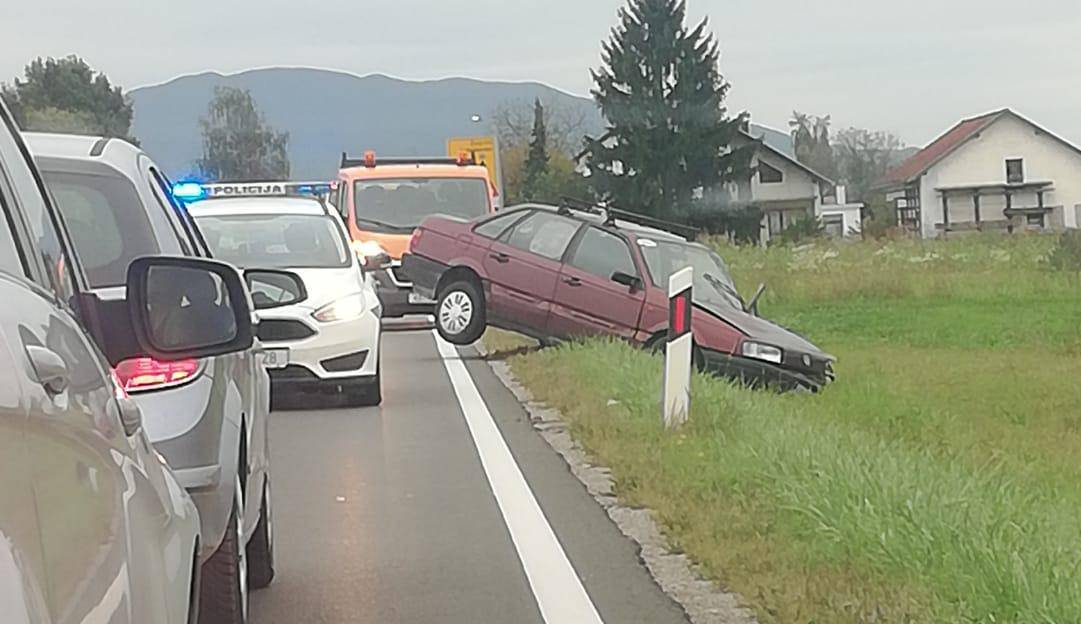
{"type": "Point", "coordinates": [93, 525]}
{"type": "Point", "coordinates": [208, 417]}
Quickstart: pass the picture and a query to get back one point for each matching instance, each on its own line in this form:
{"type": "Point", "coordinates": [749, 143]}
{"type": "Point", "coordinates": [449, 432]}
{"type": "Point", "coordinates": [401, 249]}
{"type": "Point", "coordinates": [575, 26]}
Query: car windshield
{"type": "Point", "coordinates": [276, 241]}
{"type": "Point", "coordinates": [401, 204]}
{"type": "Point", "coordinates": [713, 283]}
{"type": "Point", "coordinates": [107, 221]}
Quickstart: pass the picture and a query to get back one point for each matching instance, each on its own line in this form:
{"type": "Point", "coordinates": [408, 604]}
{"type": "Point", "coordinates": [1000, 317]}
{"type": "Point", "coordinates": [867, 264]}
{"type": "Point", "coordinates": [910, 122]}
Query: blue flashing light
{"type": "Point", "coordinates": [189, 191]}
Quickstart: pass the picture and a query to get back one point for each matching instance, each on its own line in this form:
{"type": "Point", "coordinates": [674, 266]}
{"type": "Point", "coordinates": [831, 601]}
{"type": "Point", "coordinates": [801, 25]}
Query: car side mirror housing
{"type": "Point", "coordinates": [630, 281]}
{"type": "Point", "coordinates": [188, 307]}
{"type": "Point", "coordinates": [273, 288]}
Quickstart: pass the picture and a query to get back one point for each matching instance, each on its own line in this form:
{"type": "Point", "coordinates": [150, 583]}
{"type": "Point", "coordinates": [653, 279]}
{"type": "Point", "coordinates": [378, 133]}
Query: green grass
{"type": "Point", "coordinates": [936, 481]}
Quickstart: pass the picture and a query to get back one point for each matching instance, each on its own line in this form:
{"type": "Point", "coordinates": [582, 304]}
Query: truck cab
{"type": "Point", "coordinates": [383, 201]}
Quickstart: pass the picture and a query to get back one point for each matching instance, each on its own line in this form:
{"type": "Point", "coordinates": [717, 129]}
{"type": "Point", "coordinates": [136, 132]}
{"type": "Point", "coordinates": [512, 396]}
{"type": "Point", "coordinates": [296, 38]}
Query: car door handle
{"type": "Point", "coordinates": [572, 281]}
{"type": "Point", "coordinates": [501, 258]}
{"type": "Point", "coordinates": [49, 369]}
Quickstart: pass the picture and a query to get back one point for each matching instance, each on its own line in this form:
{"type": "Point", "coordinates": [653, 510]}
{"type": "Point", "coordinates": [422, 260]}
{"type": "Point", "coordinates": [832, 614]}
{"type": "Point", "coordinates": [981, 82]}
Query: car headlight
{"type": "Point", "coordinates": [344, 309]}
{"type": "Point", "coordinates": [759, 351]}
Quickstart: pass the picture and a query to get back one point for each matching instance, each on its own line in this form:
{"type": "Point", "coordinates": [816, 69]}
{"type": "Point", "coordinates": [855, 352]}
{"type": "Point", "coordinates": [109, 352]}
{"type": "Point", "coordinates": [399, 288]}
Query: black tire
{"type": "Point", "coordinates": [464, 319]}
{"type": "Point", "coordinates": [224, 595]}
{"type": "Point", "coordinates": [261, 545]}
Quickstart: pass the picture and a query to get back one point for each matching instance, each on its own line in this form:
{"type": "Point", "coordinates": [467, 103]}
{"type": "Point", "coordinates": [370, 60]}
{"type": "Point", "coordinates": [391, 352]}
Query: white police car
{"type": "Point", "coordinates": [325, 339]}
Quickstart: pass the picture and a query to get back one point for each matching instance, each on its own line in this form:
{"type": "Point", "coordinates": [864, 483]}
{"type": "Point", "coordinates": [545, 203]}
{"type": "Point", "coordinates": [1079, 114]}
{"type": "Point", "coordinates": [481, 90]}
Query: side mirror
{"type": "Point", "coordinates": [188, 307]}
{"type": "Point", "coordinates": [271, 288]}
{"type": "Point", "coordinates": [630, 281]}
{"type": "Point", "coordinates": [752, 306]}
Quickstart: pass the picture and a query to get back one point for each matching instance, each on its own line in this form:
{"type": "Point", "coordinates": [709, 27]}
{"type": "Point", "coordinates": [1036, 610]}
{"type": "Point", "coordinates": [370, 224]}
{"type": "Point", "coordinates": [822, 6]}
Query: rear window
{"type": "Point", "coordinates": [401, 204]}
{"type": "Point", "coordinates": [107, 223]}
{"type": "Point", "coordinates": [276, 241]}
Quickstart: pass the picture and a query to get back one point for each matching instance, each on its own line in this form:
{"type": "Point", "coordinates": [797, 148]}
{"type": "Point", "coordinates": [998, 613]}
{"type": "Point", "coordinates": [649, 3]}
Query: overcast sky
{"type": "Point", "coordinates": [909, 66]}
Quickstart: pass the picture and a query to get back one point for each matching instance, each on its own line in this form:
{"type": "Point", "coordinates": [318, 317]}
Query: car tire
{"type": "Point", "coordinates": [460, 316]}
{"type": "Point", "coordinates": [261, 545]}
{"type": "Point", "coordinates": [224, 595]}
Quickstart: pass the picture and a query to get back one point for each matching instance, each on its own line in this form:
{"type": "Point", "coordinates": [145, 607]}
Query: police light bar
{"type": "Point", "coordinates": [193, 191]}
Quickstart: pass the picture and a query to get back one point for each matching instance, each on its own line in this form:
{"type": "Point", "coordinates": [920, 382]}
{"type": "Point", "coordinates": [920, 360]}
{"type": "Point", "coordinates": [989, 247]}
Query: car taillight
{"type": "Point", "coordinates": [414, 239]}
{"type": "Point", "coordinates": [143, 373]}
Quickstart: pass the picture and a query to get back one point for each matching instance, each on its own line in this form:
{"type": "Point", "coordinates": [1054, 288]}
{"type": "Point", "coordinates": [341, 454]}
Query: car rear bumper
{"type": "Point", "coordinates": [399, 295]}
{"type": "Point", "coordinates": [757, 373]}
{"type": "Point", "coordinates": [424, 273]}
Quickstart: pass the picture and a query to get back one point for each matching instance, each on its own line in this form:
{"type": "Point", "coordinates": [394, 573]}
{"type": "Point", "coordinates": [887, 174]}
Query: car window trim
{"type": "Point", "coordinates": [41, 276]}
{"type": "Point", "coordinates": [577, 241]}
{"type": "Point", "coordinates": [534, 212]}
{"type": "Point", "coordinates": [521, 214]}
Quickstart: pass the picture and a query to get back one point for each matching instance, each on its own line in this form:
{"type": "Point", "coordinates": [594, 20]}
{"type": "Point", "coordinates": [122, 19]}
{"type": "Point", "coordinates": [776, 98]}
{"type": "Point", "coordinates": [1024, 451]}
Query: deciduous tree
{"type": "Point", "coordinates": [238, 144]}
{"type": "Point", "coordinates": [67, 95]}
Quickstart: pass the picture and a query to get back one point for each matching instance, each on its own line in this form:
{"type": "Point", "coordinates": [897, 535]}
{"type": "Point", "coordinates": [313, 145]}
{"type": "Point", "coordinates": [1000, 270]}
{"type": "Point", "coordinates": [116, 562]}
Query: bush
{"type": "Point", "coordinates": [802, 229]}
{"type": "Point", "coordinates": [1066, 256]}
{"type": "Point", "coordinates": [742, 224]}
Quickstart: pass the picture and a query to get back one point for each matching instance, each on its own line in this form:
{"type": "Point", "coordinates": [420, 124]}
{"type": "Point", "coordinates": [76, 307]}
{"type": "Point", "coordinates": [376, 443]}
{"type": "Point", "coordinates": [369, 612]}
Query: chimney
{"type": "Point", "coordinates": [842, 195]}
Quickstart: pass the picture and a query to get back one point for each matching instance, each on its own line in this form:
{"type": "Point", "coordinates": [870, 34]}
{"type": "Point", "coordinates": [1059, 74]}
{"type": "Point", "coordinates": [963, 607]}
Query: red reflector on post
{"type": "Point", "coordinates": [679, 322]}
{"type": "Point", "coordinates": [138, 374]}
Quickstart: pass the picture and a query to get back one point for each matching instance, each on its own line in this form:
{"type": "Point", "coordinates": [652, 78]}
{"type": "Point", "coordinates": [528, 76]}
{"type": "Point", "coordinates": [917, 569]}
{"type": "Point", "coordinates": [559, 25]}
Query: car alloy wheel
{"type": "Point", "coordinates": [456, 312]}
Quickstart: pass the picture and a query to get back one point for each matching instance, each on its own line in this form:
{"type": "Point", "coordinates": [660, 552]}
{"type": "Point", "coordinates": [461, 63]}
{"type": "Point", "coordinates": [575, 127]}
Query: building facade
{"type": "Point", "coordinates": [998, 171]}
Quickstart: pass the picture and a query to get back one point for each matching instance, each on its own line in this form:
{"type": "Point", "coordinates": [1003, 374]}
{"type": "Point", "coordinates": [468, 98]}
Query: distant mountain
{"type": "Point", "coordinates": [328, 112]}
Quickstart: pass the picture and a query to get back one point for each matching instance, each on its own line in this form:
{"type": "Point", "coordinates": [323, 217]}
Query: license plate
{"type": "Point", "coordinates": [416, 299]}
{"type": "Point", "coordinates": [276, 358]}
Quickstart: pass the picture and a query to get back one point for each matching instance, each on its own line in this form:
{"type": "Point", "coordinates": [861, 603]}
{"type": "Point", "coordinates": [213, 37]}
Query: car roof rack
{"type": "Point", "coordinates": [370, 161]}
{"type": "Point", "coordinates": [611, 214]}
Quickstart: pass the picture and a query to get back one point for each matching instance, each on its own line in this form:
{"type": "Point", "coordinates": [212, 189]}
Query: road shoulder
{"type": "Point", "coordinates": [674, 574]}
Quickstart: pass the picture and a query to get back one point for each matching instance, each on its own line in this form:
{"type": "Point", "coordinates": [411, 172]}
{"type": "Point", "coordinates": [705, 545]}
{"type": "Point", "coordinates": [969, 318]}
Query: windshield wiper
{"type": "Point", "coordinates": [724, 287]}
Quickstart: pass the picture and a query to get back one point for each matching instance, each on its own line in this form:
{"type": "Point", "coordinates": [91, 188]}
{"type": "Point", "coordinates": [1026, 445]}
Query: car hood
{"type": "Point", "coordinates": [761, 330]}
{"type": "Point", "coordinates": [326, 286]}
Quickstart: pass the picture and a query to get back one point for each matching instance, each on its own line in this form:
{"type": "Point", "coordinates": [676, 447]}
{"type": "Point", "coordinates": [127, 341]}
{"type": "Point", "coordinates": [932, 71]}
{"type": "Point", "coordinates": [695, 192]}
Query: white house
{"type": "Point", "coordinates": [998, 171]}
{"type": "Point", "coordinates": [784, 189]}
{"type": "Point", "coordinates": [839, 216]}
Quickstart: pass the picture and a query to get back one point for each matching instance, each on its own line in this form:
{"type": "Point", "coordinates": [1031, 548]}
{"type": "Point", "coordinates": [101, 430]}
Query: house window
{"type": "Point", "coordinates": [1015, 171]}
{"type": "Point", "coordinates": [834, 225]}
{"type": "Point", "coordinates": [1035, 220]}
{"type": "Point", "coordinates": [768, 174]}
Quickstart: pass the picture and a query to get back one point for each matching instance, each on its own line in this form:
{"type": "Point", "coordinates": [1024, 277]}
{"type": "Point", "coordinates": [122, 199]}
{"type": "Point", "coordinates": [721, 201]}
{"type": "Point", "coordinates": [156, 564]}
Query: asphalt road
{"type": "Point", "coordinates": [413, 512]}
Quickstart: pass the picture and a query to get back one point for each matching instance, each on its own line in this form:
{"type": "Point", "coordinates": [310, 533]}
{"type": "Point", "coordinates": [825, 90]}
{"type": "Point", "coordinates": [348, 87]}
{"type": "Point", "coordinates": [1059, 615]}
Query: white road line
{"type": "Point", "coordinates": [555, 584]}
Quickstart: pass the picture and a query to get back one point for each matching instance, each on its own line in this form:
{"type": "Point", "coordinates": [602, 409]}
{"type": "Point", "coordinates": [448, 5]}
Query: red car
{"type": "Point", "coordinates": [556, 272]}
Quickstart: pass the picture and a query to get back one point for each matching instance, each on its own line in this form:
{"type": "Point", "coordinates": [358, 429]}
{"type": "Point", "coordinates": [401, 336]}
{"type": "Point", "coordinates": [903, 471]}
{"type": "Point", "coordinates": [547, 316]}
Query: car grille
{"type": "Point", "coordinates": [272, 330]}
{"type": "Point", "coordinates": [346, 363]}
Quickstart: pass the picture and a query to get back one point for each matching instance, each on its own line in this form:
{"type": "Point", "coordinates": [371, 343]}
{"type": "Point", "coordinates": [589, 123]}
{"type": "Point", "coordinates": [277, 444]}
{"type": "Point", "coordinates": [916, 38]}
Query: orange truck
{"type": "Point", "coordinates": [383, 200]}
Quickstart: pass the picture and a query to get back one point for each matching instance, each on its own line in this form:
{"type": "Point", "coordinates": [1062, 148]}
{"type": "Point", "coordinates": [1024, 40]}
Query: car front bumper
{"type": "Point", "coordinates": [344, 351]}
{"type": "Point", "coordinates": [759, 374]}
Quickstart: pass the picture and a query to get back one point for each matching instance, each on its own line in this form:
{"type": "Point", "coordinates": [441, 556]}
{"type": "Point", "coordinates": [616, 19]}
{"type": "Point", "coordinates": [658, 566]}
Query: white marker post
{"type": "Point", "coordinates": [677, 350]}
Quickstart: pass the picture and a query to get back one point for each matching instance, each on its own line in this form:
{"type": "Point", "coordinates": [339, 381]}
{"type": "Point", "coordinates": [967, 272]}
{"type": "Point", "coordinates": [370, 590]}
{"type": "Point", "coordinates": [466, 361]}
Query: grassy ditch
{"type": "Point", "coordinates": [936, 481]}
